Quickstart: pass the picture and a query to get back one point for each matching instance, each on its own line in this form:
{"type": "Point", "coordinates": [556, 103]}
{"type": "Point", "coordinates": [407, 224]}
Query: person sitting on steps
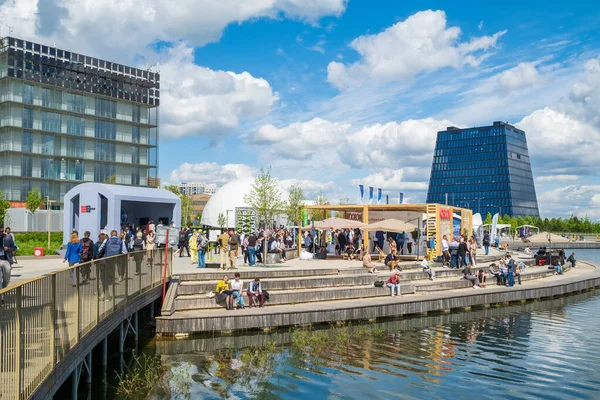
{"type": "Point", "coordinates": [367, 262]}
{"type": "Point", "coordinates": [255, 290]}
{"type": "Point", "coordinates": [223, 293]}
{"type": "Point", "coordinates": [494, 270]}
{"type": "Point", "coordinates": [393, 282]}
{"type": "Point", "coordinates": [468, 275]}
{"type": "Point", "coordinates": [391, 260]}
{"type": "Point", "coordinates": [237, 289]}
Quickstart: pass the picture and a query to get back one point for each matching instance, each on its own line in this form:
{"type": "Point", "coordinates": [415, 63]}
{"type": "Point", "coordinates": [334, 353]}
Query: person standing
{"type": "Point", "coordinates": [111, 247]}
{"type": "Point", "coordinates": [512, 270]}
{"type": "Point", "coordinates": [150, 247]}
{"type": "Point", "coordinates": [486, 242]}
{"type": "Point", "coordinates": [446, 250]}
{"type": "Point", "coordinates": [223, 248]}
{"type": "Point", "coordinates": [138, 246]}
{"type": "Point", "coordinates": [202, 245]}
{"type": "Point", "coordinates": [87, 255]}
{"type": "Point", "coordinates": [5, 263]}
{"type": "Point", "coordinates": [341, 242]}
{"type": "Point", "coordinates": [245, 243]}
{"type": "Point", "coordinates": [73, 256]}
{"type": "Point", "coordinates": [454, 263]}
{"type": "Point", "coordinates": [183, 243]}
{"type": "Point", "coordinates": [193, 246]}
{"type": "Point", "coordinates": [234, 244]}
{"type": "Point", "coordinates": [462, 253]}
{"type": "Point", "coordinates": [252, 242]}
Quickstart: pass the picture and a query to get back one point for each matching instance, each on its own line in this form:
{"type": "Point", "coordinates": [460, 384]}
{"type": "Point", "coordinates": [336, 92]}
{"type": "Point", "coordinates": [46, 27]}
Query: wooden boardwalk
{"type": "Point", "coordinates": [200, 314]}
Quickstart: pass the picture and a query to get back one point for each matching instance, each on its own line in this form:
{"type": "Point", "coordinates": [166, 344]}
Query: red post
{"type": "Point", "coordinates": [165, 267]}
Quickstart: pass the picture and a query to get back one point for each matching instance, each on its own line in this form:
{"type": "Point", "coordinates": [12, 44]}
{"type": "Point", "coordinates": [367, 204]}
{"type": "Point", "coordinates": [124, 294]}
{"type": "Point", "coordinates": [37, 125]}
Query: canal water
{"type": "Point", "coordinates": [542, 350]}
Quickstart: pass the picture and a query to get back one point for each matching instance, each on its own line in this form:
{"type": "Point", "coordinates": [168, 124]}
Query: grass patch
{"type": "Point", "coordinates": [146, 373]}
{"type": "Point", "coordinates": [28, 241]}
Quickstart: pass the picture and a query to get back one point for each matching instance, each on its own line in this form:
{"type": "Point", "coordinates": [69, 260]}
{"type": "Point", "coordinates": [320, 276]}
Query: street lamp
{"type": "Point", "coordinates": [48, 203]}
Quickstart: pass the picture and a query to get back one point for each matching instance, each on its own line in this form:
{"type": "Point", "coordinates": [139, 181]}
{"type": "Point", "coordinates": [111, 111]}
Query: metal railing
{"type": "Point", "coordinates": [42, 319]}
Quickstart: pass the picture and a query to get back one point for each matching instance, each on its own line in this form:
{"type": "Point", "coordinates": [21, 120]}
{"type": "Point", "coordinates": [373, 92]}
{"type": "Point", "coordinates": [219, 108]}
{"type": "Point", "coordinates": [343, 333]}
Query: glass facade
{"type": "Point", "coordinates": [67, 118]}
{"type": "Point", "coordinates": [486, 169]}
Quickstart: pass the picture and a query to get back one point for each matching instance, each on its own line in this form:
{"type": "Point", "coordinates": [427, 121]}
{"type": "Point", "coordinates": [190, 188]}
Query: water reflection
{"type": "Point", "coordinates": [530, 350]}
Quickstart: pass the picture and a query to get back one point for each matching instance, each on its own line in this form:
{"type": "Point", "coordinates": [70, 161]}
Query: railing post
{"type": "Point", "coordinates": [53, 318]}
{"type": "Point", "coordinates": [18, 341]}
{"type": "Point", "coordinates": [95, 266]}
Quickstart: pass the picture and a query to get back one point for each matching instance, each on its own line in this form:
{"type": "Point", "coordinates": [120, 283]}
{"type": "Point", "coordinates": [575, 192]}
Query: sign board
{"type": "Point", "coordinates": [161, 235]}
{"type": "Point", "coordinates": [445, 213]}
{"type": "Point", "coordinates": [86, 209]}
{"type": "Point", "coordinates": [245, 220]}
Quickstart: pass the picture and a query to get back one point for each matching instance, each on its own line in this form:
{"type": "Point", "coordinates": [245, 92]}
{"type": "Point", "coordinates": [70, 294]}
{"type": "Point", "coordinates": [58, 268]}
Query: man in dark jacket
{"type": "Point", "coordinates": [5, 259]}
{"type": "Point", "coordinates": [512, 270]}
{"type": "Point", "coordinates": [462, 253]}
{"type": "Point", "coordinates": [342, 240]}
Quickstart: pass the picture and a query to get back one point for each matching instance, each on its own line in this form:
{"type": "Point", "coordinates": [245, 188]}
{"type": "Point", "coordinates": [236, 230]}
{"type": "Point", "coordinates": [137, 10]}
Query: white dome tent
{"type": "Point", "coordinates": [229, 197]}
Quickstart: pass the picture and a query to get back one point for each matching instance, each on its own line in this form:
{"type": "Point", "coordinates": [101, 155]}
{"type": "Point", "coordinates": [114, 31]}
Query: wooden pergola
{"type": "Point", "coordinates": [439, 218]}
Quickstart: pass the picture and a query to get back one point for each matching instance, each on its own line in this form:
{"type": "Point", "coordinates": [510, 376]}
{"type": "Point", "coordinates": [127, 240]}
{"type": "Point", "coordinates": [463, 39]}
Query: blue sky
{"type": "Point", "coordinates": [333, 93]}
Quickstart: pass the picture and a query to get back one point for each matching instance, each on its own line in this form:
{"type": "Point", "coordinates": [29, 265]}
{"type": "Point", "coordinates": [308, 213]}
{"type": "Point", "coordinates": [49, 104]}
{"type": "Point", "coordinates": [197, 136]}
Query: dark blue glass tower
{"type": "Point", "coordinates": [486, 169]}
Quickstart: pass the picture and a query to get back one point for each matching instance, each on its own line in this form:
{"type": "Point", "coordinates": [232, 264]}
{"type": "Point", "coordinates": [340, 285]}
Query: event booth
{"type": "Point", "coordinates": [434, 220]}
{"type": "Point", "coordinates": [98, 206]}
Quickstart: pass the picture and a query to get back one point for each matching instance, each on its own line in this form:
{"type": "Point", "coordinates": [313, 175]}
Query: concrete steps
{"type": "Point", "coordinates": [279, 297]}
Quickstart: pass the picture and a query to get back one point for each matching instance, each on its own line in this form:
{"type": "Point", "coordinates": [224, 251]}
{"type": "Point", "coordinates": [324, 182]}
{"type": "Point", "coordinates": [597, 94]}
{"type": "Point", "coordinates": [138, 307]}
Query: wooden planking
{"type": "Point", "coordinates": [187, 322]}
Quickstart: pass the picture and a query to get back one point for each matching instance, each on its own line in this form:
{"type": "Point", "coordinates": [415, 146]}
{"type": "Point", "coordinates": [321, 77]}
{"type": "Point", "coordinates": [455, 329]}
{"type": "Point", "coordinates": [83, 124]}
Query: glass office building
{"type": "Point", "coordinates": [486, 169]}
{"type": "Point", "coordinates": [67, 118]}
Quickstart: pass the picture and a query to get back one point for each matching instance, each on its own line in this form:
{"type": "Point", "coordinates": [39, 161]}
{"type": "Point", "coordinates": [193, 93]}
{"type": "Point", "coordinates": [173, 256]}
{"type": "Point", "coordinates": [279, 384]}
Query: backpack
{"type": "Point", "coordinates": [113, 247]}
{"type": "Point", "coordinates": [86, 250]}
{"type": "Point", "coordinates": [203, 243]}
{"type": "Point", "coordinates": [379, 283]}
{"type": "Point", "coordinates": [182, 237]}
{"type": "Point", "coordinates": [138, 244]}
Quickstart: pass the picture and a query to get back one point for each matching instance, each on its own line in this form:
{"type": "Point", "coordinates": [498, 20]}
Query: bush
{"type": "Point", "coordinates": [28, 241]}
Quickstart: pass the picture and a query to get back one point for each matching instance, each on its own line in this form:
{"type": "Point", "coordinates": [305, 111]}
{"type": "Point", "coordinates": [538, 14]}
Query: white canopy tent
{"type": "Point", "coordinates": [501, 229]}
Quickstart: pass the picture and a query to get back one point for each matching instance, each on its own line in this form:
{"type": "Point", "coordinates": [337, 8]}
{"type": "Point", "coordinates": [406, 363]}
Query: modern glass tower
{"type": "Point", "coordinates": [66, 118]}
{"type": "Point", "coordinates": [486, 169]}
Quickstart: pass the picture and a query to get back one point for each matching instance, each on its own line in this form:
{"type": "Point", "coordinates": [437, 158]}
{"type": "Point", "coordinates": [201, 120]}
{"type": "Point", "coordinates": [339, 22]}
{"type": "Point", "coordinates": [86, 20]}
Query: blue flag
{"type": "Point", "coordinates": [370, 194]}
{"type": "Point", "coordinates": [362, 193]}
{"type": "Point", "coordinates": [401, 198]}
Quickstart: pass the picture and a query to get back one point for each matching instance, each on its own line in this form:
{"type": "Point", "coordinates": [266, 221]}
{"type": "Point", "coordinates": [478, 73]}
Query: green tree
{"type": "Point", "coordinates": [4, 206]}
{"type": "Point", "coordinates": [320, 200]}
{"type": "Point", "coordinates": [186, 204]}
{"type": "Point", "coordinates": [34, 199]}
{"type": "Point", "coordinates": [112, 179]}
{"type": "Point", "coordinates": [265, 197]}
{"type": "Point", "coordinates": [488, 218]}
{"type": "Point", "coordinates": [293, 207]}
{"type": "Point", "coordinates": [221, 220]}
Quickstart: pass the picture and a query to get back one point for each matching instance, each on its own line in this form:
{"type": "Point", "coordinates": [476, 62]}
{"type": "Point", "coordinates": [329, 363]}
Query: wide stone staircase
{"type": "Point", "coordinates": [303, 290]}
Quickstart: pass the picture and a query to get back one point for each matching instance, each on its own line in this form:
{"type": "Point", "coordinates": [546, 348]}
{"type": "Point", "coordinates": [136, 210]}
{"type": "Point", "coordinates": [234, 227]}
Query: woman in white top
{"type": "Point", "coordinates": [237, 289]}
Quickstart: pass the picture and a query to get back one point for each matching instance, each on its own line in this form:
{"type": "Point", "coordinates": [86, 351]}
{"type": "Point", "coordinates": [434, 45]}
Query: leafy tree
{"type": "Point", "coordinates": [186, 204]}
{"type": "Point", "coordinates": [4, 206]}
{"type": "Point", "coordinates": [265, 197]}
{"type": "Point", "coordinates": [34, 199]}
{"type": "Point", "coordinates": [293, 207]}
{"type": "Point", "coordinates": [320, 200]}
{"type": "Point", "coordinates": [488, 218]}
{"type": "Point", "coordinates": [112, 179]}
{"type": "Point", "coordinates": [221, 220]}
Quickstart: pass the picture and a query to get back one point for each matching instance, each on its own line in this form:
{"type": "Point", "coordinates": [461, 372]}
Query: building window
{"type": "Point", "coordinates": [48, 144]}
{"type": "Point", "coordinates": [51, 98]}
{"type": "Point", "coordinates": [76, 126]}
{"type": "Point", "coordinates": [28, 94]}
{"type": "Point", "coordinates": [135, 155]}
{"type": "Point", "coordinates": [75, 103]}
{"type": "Point", "coordinates": [103, 173]}
{"type": "Point", "coordinates": [106, 108]}
{"type": "Point", "coordinates": [135, 176]}
{"type": "Point", "coordinates": [136, 114]}
{"type": "Point", "coordinates": [27, 144]}
{"type": "Point", "coordinates": [48, 170]}
{"type": "Point", "coordinates": [105, 130]}
{"type": "Point", "coordinates": [26, 166]}
{"type": "Point", "coordinates": [27, 121]}
{"type": "Point", "coordinates": [50, 121]}
{"type": "Point", "coordinates": [25, 189]}
{"type": "Point", "coordinates": [104, 151]}
{"type": "Point", "coordinates": [75, 148]}
{"type": "Point", "coordinates": [135, 134]}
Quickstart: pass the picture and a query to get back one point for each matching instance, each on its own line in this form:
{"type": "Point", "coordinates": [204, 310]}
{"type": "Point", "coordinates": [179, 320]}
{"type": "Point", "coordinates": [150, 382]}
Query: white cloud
{"type": "Point", "coordinates": [116, 27]}
{"type": "Point", "coordinates": [199, 101]}
{"type": "Point", "coordinates": [521, 76]}
{"type": "Point", "coordinates": [311, 188]}
{"type": "Point", "coordinates": [211, 173]}
{"type": "Point", "coordinates": [300, 140]}
{"type": "Point", "coordinates": [558, 178]}
{"type": "Point", "coordinates": [391, 179]}
{"type": "Point", "coordinates": [420, 43]}
{"type": "Point", "coordinates": [584, 99]}
{"type": "Point", "coordinates": [559, 140]}
{"type": "Point", "coordinates": [407, 143]}
{"type": "Point", "coordinates": [580, 200]}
